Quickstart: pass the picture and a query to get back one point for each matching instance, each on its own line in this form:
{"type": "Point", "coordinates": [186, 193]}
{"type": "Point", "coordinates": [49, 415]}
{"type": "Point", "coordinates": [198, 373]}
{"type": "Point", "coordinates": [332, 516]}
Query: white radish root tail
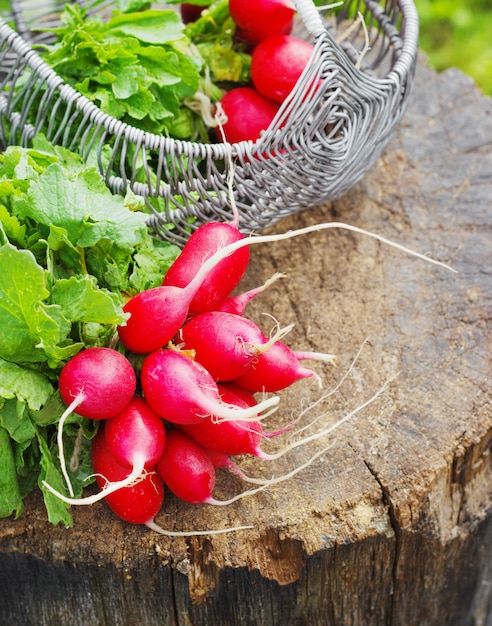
{"type": "Point", "coordinates": [193, 533]}
{"type": "Point", "coordinates": [59, 437]}
{"type": "Point", "coordinates": [275, 480]}
{"type": "Point", "coordinates": [111, 487]}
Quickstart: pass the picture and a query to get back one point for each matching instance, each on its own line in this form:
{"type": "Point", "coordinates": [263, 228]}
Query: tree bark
{"type": "Point", "coordinates": [392, 524]}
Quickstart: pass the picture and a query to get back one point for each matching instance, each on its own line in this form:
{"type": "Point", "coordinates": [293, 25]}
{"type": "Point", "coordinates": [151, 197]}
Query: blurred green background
{"type": "Point", "coordinates": [453, 33]}
{"type": "Point", "coordinates": [458, 33]}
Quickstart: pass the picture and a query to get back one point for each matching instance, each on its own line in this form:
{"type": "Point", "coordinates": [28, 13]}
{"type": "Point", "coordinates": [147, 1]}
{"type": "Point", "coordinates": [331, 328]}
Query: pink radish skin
{"type": "Point", "coordinates": [134, 456]}
{"type": "Point", "coordinates": [256, 19]}
{"type": "Point", "coordinates": [155, 317]}
{"type": "Point", "coordinates": [161, 324]}
{"type": "Point", "coordinates": [278, 368]}
{"type": "Point", "coordinates": [230, 437]}
{"type": "Point", "coordinates": [137, 503]}
{"type": "Point", "coordinates": [96, 383]}
{"type": "Point", "coordinates": [233, 394]}
{"type": "Point", "coordinates": [186, 469]}
{"type": "Point", "coordinates": [224, 343]}
{"type": "Point", "coordinates": [222, 279]}
{"type": "Point", "coordinates": [248, 114]}
{"type": "Point", "coordinates": [183, 392]}
{"type": "Point", "coordinates": [137, 427]}
{"type": "Point", "coordinates": [237, 304]}
{"type": "Point", "coordinates": [135, 439]}
{"type": "Point", "coordinates": [101, 381]}
{"type": "Point", "coordinates": [277, 63]}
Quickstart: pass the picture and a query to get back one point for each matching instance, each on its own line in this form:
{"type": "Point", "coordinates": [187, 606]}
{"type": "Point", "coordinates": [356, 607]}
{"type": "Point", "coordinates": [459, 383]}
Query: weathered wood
{"type": "Point", "coordinates": [393, 525]}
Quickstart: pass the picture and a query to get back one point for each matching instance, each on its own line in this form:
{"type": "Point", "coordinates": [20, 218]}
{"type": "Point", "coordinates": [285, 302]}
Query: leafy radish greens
{"type": "Point", "coordinates": [71, 254]}
{"type": "Point", "coordinates": [145, 67]}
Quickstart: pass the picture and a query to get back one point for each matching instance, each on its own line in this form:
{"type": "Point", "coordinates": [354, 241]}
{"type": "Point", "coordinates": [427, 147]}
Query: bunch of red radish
{"type": "Point", "coordinates": [277, 61]}
{"type": "Point", "coordinates": [191, 404]}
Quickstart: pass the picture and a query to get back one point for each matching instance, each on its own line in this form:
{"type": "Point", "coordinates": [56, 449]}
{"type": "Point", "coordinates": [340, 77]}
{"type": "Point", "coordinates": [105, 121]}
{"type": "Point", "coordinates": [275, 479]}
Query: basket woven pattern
{"type": "Point", "coordinates": [326, 135]}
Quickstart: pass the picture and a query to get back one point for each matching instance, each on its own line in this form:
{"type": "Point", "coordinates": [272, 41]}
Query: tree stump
{"type": "Point", "coordinates": [392, 524]}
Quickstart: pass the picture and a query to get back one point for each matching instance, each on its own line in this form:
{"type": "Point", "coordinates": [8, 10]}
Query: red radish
{"type": "Point", "coordinates": [147, 330]}
{"type": "Point", "coordinates": [155, 317]}
{"type": "Point", "coordinates": [183, 392]}
{"type": "Point", "coordinates": [188, 471]}
{"type": "Point", "coordinates": [97, 383]}
{"type": "Point", "coordinates": [116, 482]}
{"type": "Point", "coordinates": [232, 437]}
{"type": "Point", "coordinates": [186, 468]}
{"type": "Point", "coordinates": [256, 19]}
{"type": "Point", "coordinates": [252, 39]}
{"type": "Point", "coordinates": [229, 392]}
{"type": "Point", "coordinates": [237, 304]}
{"type": "Point", "coordinates": [224, 343]}
{"type": "Point", "coordinates": [277, 63]}
{"type": "Point", "coordinates": [279, 368]}
{"type": "Point", "coordinates": [137, 503]}
{"type": "Point", "coordinates": [134, 500]}
{"type": "Point", "coordinates": [222, 279]}
{"type": "Point", "coordinates": [202, 276]}
{"type": "Point", "coordinates": [137, 427]}
{"type": "Point", "coordinates": [248, 114]}
{"type": "Point", "coordinates": [135, 438]}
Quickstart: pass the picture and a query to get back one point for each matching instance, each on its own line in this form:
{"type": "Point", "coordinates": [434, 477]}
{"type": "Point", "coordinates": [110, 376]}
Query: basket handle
{"type": "Point", "coordinates": [310, 16]}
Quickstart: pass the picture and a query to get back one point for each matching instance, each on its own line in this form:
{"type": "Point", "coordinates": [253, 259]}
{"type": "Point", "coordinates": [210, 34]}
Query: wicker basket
{"type": "Point", "coordinates": [317, 148]}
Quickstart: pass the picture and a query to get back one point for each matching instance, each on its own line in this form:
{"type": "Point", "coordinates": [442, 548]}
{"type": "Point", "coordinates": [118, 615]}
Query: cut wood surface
{"type": "Point", "coordinates": [392, 524]}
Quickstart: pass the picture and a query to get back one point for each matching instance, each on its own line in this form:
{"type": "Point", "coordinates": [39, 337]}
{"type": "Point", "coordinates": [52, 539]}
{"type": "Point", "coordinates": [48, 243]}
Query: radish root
{"type": "Point", "coordinates": [301, 442]}
{"type": "Point", "coordinates": [133, 476]}
{"type": "Point", "coordinates": [193, 533]}
{"type": "Point", "coordinates": [59, 437]}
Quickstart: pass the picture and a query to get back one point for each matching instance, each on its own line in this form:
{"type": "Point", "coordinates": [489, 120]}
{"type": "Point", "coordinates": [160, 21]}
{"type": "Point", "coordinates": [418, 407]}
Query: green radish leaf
{"type": "Point", "coordinates": [58, 511]}
{"type": "Point", "coordinates": [28, 386]}
{"type": "Point", "coordinates": [152, 26]}
{"type": "Point", "coordinates": [10, 496]}
{"type": "Point", "coordinates": [14, 417]}
{"type": "Point", "coordinates": [29, 328]}
{"type": "Point", "coordinates": [81, 299]}
{"type": "Point", "coordinates": [82, 205]}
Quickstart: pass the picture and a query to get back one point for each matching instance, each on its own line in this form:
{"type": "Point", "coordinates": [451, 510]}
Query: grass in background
{"type": "Point", "coordinates": [453, 33]}
{"type": "Point", "coordinates": [458, 33]}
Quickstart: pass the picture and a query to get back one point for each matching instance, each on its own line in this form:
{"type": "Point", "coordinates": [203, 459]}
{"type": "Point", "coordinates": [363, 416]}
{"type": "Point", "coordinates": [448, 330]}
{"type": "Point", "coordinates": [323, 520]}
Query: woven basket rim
{"type": "Point", "coordinates": [315, 28]}
{"type": "Point", "coordinates": [314, 25]}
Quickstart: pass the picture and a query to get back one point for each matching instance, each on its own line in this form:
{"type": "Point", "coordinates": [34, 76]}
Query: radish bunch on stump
{"type": "Point", "coordinates": [192, 405]}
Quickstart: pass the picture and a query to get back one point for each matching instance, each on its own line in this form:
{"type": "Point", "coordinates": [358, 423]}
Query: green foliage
{"type": "Point", "coordinates": [458, 33]}
{"type": "Point", "coordinates": [70, 254]}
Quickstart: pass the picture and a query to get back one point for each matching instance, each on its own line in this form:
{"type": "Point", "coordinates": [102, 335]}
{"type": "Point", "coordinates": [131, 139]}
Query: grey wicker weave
{"type": "Point", "coordinates": [319, 145]}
